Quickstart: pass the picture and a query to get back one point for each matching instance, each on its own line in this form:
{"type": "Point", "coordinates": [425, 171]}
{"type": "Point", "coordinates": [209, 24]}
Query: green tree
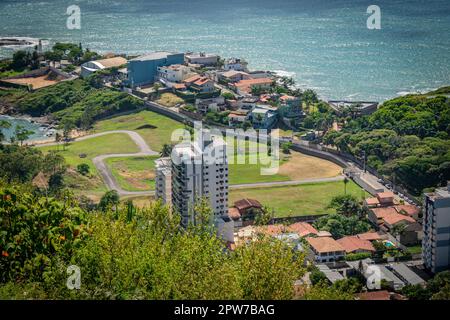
{"type": "Point", "coordinates": [3, 125]}
{"type": "Point", "coordinates": [346, 205]}
{"type": "Point", "coordinates": [109, 199]}
{"type": "Point", "coordinates": [22, 134]}
{"type": "Point", "coordinates": [166, 150]}
{"type": "Point", "coordinates": [83, 169]}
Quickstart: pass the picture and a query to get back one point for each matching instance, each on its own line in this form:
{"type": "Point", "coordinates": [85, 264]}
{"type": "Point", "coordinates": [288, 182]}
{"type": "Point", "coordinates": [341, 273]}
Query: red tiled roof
{"type": "Point", "coordinates": [374, 295]}
{"type": "Point", "coordinates": [372, 201]}
{"type": "Point", "coordinates": [303, 229]}
{"type": "Point", "coordinates": [286, 98]}
{"type": "Point", "coordinates": [247, 84]}
{"type": "Point", "coordinates": [202, 81]}
{"type": "Point", "coordinates": [192, 79]}
{"type": "Point", "coordinates": [409, 209]}
{"type": "Point", "coordinates": [352, 244]}
{"type": "Point", "coordinates": [369, 236]}
{"type": "Point", "coordinates": [380, 213]}
{"type": "Point", "coordinates": [393, 219]}
{"type": "Point", "coordinates": [385, 195]}
{"type": "Point", "coordinates": [246, 204]}
{"type": "Point", "coordinates": [324, 244]}
{"type": "Point", "coordinates": [179, 86]}
{"type": "Point", "coordinates": [272, 230]}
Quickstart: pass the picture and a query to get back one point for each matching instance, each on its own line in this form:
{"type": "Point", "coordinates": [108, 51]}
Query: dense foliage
{"type": "Point", "coordinates": [339, 225]}
{"type": "Point", "coordinates": [406, 139]}
{"type": "Point", "coordinates": [76, 101]}
{"type": "Point", "coordinates": [130, 253]}
{"type": "Point", "coordinates": [437, 288]}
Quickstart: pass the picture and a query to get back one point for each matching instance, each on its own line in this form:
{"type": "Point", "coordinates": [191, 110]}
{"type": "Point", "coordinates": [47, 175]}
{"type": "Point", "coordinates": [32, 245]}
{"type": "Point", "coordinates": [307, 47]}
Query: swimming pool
{"type": "Point", "coordinates": [389, 244]}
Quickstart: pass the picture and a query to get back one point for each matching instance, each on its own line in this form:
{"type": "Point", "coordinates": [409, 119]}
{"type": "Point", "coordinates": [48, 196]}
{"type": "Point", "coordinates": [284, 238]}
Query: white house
{"type": "Point", "coordinates": [90, 67]}
{"type": "Point", "coordinates": [174, 73]}
{"type": "Point", "coordinates": [202, 58]}
{"type": "Point", "coordinates": [235, 64]}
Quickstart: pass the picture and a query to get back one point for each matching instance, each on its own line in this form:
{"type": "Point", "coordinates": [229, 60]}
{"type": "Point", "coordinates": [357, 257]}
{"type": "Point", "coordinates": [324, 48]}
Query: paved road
{"type": "Point", "coordinates": [285, 183]}
{"type": "Point", "coordinates": [103, 169]}
{"type": "Point", "coordinates": [145, 150]}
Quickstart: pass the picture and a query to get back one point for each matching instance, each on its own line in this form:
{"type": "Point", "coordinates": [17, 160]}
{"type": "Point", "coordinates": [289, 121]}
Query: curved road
{"type": "Point", "coordinates": [145, 150]}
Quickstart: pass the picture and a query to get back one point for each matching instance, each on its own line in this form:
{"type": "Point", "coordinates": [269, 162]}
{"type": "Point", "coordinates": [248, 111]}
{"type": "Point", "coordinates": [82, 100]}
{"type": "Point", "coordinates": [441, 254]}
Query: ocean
{"type": "Point", "coordinates": [323, 44]}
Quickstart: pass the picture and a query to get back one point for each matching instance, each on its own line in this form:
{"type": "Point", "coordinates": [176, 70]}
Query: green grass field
{"type": "Point", "coordinates": [307, 199]}
{"type": "Point", "coordinates": [134, 173]}
{"type": "Point", "coordinates": [156, 129]}
{"type": "Point", "coordinates": [92, 185]}
{"type": "Point", "coordinates": [108, 144]}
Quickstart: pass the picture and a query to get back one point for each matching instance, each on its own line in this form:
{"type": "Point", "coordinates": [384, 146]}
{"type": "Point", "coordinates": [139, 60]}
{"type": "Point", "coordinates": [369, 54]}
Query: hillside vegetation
{"type": "Point", "coordinates": [75, 101]}
{"type": "Point", "coordinates": [406, 139]}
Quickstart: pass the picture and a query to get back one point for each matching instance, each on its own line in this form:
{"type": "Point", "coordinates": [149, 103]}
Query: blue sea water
{"type": "Point", "coordinates": [323, 44]}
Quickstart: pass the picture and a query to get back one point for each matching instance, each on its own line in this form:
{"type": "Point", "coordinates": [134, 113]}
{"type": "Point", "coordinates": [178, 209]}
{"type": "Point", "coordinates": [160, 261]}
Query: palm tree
{"type": "Point", "coordinates": [346, 181]}
{"type": "Point", "coordinates": [58, 139]}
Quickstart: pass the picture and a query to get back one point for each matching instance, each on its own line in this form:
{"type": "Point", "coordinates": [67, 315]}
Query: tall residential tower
{"type": "Point", "coordinates": [197, 170]}
{"type": "Point", "coordinates": [436, 229]}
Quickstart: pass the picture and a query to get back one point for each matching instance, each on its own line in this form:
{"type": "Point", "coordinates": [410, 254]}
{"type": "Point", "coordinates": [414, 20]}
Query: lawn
{"type": "Point", "coordinates": [111, 143]}
{"type": "Point", "coordinates": [292, 167]}
{"type": "Point", "coordinates": [156, 129]}
{"type": "Point", "coordinates": [415, 249]}
{"type": "Point", "coordinates": [134, 173]}
{"type": "Point", "coordinates": [306, 199]}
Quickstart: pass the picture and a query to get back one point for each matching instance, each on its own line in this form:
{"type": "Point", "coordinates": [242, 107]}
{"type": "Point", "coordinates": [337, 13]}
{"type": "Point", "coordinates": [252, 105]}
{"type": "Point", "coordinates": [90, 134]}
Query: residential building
{"type": "Point", "coordinates": [388, 218]}
{"type": "Point", "coordinates": [243, 212]}
{"type": "Point", "coordinates": [374, 295]}
{"type": "Point", "coordinates": [436, 230]}
{"type": "Point", "coordinates": [211, 104]}
{"type": "Point", "coordinates": [257, 74]}
{"type": "Point", "coordinates": [236, 118]}
{"type": "Point", "coordinates": [263, 117]}
{"type": "Point", "coordinates": [199, 170]}
{"type": "Point", "coordinates": [303, 229]}
{"type": "Point", "coordinates": [353, 244]}
{"type": "Point", "coordinates": [248, 103]}
{"type": "Point", "coordinates": [90, 67]}
{"type": "Point", "coordinates": [331, 275]}
{"type": "Point", "coordinates": [233, 76]}
{"type": "Point", "coordinates": [163, 181]}
{"type": "Point", "coordinates": [409, 210]}
{"type": "Point", "coordinates": [358, 108]}
{"type": "Point", "coordinates": [174, 73]}
{"type": "Point", "coordinates": [235, 64]}
{"type": "Point", "coordinates": [325, 249]}
{"type": "Point", "coordinates": [370, 236]}
{"type": "Point", "coordinates": [202, 59]}
{"type": "Point", "coordinates": [245, 87]}
{"type": "Point", "coordinates": [202, 85]}
{"type": "Point", "coordinates": [143, 70]}
{"type": "Point", "coordinates": [291, 110]}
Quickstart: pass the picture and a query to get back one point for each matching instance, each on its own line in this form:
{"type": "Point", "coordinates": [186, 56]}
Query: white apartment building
{"type": "Point", "coordinates": [436, 230]}
{"type": "Point", "coordinates": [163, 188]}
{"type": "Point", "coordinates": [174, 73]}
{"type": "Point", "coordinates": [197, 170]}
{"type": "Point", "coordinates": [235, 64]}
{"type": "Point", "coordinates": [202, 58]}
